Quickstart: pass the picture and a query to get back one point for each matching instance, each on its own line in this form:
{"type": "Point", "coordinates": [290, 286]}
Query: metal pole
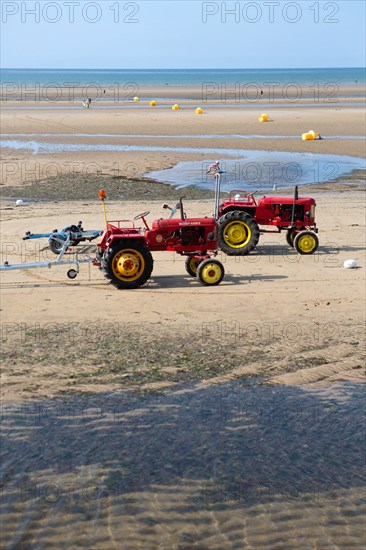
{"type": "Point", "coordinates": [296, 196]}
{"type": "Point", "coordinates": [217, 195]}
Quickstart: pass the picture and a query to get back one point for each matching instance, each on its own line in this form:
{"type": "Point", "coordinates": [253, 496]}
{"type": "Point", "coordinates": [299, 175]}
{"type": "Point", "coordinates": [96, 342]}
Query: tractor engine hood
{"type": "Point", "coordinates": [272, 201]}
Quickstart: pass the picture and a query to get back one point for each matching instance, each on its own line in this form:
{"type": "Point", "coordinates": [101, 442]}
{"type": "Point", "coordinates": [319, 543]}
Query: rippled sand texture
{"type": "Point", "coordinates": [215, 467]}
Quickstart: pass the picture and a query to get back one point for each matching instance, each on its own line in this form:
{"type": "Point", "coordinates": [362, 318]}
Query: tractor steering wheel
{"type": "Point", "coordinates": [143, 215]}
{"type": "Point", "coordinates": [250, 195]}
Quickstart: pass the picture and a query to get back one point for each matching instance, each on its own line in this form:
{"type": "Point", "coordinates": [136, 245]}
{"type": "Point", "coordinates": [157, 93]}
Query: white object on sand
{"type": "Point", "coordinates": [350, 264]}
{"type": "Point", "coordinates": [19, 202]}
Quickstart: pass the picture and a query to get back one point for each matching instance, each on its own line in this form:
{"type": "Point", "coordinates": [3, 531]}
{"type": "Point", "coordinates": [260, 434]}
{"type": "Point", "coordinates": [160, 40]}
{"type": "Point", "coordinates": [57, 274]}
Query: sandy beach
{"type": "Point", "coordinates": [176, 369]}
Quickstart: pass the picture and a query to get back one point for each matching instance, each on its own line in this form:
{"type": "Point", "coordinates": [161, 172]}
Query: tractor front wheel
{"type": "Point", "coordinates": [127, 264]}
{"type": "Point", "coordinates": [306, 242]}
{"type": "Point", "coordinates": [210, 272]}
{"type": "Point", "coordinates": [191, 265]}
{"type": "Point", "coordinates": [238, 233]}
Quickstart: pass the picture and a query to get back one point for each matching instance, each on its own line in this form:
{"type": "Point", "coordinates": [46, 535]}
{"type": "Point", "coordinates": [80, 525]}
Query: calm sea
{"type": "Point", "coordinates": [184, 77]}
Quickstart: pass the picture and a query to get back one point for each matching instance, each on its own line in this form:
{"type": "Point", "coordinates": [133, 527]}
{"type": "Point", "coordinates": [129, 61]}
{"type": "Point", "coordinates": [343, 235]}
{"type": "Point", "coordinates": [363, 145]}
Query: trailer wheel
{"type": "Point", "coordinates": [192, 264]}
{"type": "Point", "coordinates": [210, 272]}
{"type": "Point", "coordinates": [306, 242]}
{"type": "Point", "coordinates": [56, 244]}
{"type": "Point", "coordinates": [72, 274]}
{"type": "Point", "coordinates": [238, 233]}
{"type": "Point", "coordinates": [127, 264]}
{"type": "Point", "coordinates": [290, 236]}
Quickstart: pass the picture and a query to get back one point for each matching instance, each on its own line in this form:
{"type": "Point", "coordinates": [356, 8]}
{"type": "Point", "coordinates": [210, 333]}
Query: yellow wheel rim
{"type": "Point", "coordinates": [211, 273]}
{"type": "Point", "coordinates": [237, 234]}
{"type": "Point", "coordinates": [193, 264]}
{"type": "Point", "coordinates": [128, 264]}
{"type": "Point", "coordinates": [306, 243]}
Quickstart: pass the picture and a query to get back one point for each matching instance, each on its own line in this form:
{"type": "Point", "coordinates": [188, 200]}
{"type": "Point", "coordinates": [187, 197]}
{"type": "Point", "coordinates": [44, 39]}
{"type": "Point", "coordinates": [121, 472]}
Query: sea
{"type": "Point", "coordinates": [185, 77]}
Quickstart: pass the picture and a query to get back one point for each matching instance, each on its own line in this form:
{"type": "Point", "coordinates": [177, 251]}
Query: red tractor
{"type": "Point", "coordinates": [240, 216]}
{"type": "Point", "coordinates": [124, 252]}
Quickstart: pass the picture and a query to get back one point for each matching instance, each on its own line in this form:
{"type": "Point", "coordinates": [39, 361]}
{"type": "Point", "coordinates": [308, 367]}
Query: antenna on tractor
{"type": "Point", "coordinates": [102, 195]}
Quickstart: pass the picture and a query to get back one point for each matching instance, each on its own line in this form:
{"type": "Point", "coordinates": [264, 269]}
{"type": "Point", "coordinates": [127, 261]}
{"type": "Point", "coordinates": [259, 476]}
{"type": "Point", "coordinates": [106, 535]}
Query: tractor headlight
{"type": "Point", "coordinates": [312, 211]}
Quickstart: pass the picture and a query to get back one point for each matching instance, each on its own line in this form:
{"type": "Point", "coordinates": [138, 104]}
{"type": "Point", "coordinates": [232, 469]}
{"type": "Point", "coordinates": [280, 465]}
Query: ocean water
{"type": "Point", "coordinates": [184, 77]}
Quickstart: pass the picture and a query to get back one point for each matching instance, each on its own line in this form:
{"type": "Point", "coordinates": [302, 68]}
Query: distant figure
{"type": "Point", "coordinates": [261, 92]}
{"type": "Point", "coordinates": [87, 102]}
{"type": "Point", "coordinates": [274, 188]}
{"type": "Point", "coordinates": [104, 92]}
{"type": "Point", "coordinates": [214, 168]}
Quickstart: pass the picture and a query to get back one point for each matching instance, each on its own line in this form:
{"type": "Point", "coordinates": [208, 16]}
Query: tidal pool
{"type": "Point", "coordinates": [256, 170]}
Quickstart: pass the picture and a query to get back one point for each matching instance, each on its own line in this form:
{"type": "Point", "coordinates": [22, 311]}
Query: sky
{"type": "Point", "coordinates": [182, 34]}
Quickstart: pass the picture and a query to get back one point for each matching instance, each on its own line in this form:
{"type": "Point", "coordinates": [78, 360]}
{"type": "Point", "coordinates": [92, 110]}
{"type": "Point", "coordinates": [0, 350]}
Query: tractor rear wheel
{"type": "Point", "coordinates": [210, 272]}
{"type": "Point", "coordinates": [191, 265]}
{"type": "Point", "coordinates": [127, 264]}
{"type": "Point", "coordinates": [290, 236]}
{"type": "Point", "coordinates": [238, 233]}
{"type": "Point", "coordinates": [306, 242]}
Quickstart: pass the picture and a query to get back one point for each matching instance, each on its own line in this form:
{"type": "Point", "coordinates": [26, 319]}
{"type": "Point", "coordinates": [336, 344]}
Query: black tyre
{"type": "Point", "coordinates": [56, 243]}
{"type": "Point", "coordinates": [191, 266]}
{"type": "Point", "coordinates": [127, 264]}
{"type": "Point", "coordinates": [210, 272]}
{"type": "Point", "coordinates": [306, 242]}
{"type": "Point", "coordinates": [72, 274]}
{"type": "Point", "coordinates": [290, 236]}
{"type": "Point", "coordinates": [238, 233]}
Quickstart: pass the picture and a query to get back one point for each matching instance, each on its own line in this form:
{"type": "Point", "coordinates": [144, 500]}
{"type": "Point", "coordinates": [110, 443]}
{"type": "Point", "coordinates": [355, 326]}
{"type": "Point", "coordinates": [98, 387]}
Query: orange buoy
{"type": "Point", "coordinates": [264, 118]}
{"type": "Point", "coordinates": [175, 107]}
{"type": "Point", "coordinates": [152, 103]}
{"type": "Point", "coordinates": [199, 111]}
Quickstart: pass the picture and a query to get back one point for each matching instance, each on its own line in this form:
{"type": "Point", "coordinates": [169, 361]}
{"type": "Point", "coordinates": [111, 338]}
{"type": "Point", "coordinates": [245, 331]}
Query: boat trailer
{"type": "Point", "coordinates": [72, 273]}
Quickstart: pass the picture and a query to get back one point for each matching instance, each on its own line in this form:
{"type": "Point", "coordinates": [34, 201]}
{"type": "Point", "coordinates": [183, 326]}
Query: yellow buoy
{"type": "Point", "coordinates": [136, 99]}
{"type": "Point", "coordinates": [199, 111]}
{"type": "Point", "coordinates": [175, 107]}
{"type": "Point", "coordinates": [152, 103]}
{"type": "Point", "coordinates": [310, 135]}
{"type": "Point", "coordinates": [264, 118]}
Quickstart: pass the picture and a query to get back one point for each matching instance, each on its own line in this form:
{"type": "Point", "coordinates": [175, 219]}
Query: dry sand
{"type": "Point", "coordinates": [277, 313]}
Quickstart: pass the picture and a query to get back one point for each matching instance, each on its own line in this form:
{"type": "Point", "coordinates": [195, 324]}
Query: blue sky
{"type": "Point", "coordinates": [182, 34]}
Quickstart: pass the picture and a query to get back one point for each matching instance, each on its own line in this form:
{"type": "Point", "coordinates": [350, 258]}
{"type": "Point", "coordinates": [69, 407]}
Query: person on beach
{"type": "Point", "coordinates": [214, 168]}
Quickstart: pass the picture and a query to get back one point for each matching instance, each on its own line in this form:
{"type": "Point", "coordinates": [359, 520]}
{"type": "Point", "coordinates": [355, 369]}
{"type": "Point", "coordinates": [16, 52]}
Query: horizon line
{"type": "Point", "coordinates": [173, 68]}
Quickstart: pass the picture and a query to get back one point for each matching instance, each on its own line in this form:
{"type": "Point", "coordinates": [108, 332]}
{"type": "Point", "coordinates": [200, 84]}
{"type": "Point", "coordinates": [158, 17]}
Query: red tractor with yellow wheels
{"type": "Point", "coordinates": [124, 253]}
{"type": "Point", "coordinates": [242, 220]}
